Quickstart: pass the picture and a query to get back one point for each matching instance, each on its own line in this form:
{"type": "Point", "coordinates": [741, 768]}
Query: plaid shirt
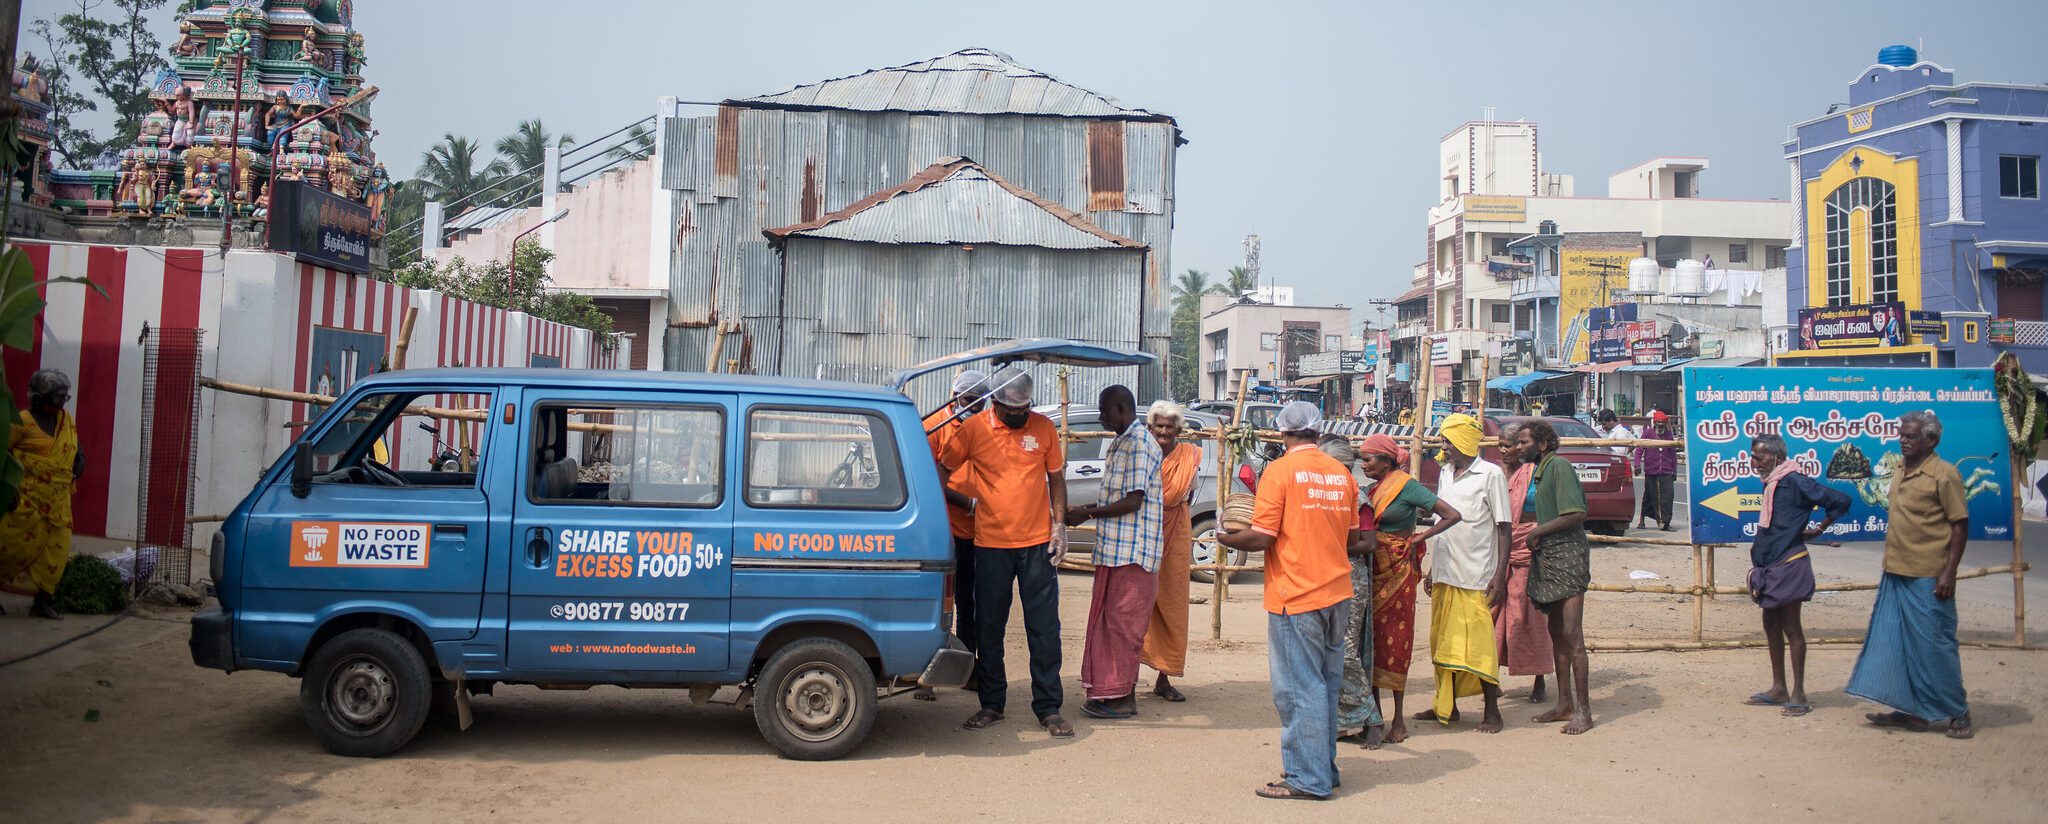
{"type": "Point", "coordinates": [1132, 466]}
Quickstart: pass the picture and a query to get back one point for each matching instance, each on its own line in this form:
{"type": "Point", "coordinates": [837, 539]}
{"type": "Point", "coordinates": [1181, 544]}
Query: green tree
{"type": "Point", "coordinates": [1184, 371]}
{"type": "Point", "coordinates": [521, 153]}
{"type": "Point", "coordinates": [403, 210]}
{"type": "Point", "coordinates": [451, 171]}
{"type": "Point", "coordinates": [71, 145]}
{"type": "Point", "coordinates": [528, 290]}
{"type": "Point", "coordinates": [637, 145]}
{"type": "Point", "coordinates": [1239, 281]}
{"type": "Point", "coordinates": [118, 58]}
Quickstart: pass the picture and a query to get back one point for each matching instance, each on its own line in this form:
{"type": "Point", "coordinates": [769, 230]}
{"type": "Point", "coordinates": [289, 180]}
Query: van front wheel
{"type": "Point", "coordinates": [815, 700]}
{"type": "Point", "coordinates": [365, 693]}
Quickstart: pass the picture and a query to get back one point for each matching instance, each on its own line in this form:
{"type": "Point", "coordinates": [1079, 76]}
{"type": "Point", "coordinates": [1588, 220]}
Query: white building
{"type": "Point", "coordinates": [1263, 342]}
{"type": "Point", "coordinates": [1494, 240]}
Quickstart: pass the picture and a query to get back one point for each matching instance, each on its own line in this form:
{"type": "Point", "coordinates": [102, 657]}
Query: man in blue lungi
{"type": "Point", "coordinates": [1909, 660]}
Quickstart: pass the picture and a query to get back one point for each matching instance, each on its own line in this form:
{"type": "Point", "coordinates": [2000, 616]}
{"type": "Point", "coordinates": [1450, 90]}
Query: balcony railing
{"type": "Point", "coordinates": [1407, 329]}
{"type": "Point", "coordinates": [1531, 288]}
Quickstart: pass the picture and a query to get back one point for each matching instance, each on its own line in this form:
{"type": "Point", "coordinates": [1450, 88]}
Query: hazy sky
{"type": "Point", "coordinates": [1313, 124]}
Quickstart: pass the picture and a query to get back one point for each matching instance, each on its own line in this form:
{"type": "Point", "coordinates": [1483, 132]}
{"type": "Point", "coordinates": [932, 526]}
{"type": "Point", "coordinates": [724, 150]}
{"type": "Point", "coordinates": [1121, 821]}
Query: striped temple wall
{"type": "Point", "coordinates": [268, 320]}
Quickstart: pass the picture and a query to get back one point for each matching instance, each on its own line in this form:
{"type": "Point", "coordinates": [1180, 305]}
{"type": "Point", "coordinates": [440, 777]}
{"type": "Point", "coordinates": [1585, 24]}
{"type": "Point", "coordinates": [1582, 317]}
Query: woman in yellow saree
{"type": "Point", "coordinates": [35, 538]}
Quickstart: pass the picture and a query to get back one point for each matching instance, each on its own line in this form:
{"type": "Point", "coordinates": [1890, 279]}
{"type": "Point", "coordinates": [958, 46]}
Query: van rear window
{"type": "Point", "coordinates": [822, 459]}
{"type": "Point", "coordinates": [642, 454]}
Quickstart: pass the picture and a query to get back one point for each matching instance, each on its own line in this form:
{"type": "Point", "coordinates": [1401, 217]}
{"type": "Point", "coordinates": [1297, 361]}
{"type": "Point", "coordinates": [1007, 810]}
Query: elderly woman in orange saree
{"type": "Point", "coordinates": [1519, 629]}
{"type": "Point", "coordinates": [35, 538]}
{"type": "Point", "coordinates": [1397, 501]}
{"type": "Point", "coordinates": [1166, 640]}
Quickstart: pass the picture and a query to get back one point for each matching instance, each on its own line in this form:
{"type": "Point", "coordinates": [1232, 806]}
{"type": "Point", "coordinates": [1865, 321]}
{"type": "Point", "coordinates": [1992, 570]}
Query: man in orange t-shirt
{"type": "Point", "coordinates": [1012, 464]}
{"type": "Point", "coordinates": [1306, 521]}
{"type": "Point", "coordinates": [970, 391]}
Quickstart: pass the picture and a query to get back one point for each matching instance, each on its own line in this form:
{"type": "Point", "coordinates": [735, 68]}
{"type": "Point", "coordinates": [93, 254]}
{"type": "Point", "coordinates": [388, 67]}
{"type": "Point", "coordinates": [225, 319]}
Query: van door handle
{"type": "Point", "coordinates": [453, 529]}
{"type": "Point", "coordinates": [539, 546]}
{"type": "Point", "coordinates": [1088, 470]}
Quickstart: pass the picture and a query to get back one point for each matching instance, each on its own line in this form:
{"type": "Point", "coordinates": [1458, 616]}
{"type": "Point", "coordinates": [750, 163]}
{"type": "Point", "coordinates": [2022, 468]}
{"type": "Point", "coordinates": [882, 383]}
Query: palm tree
{"type": "Point", "coordinates": [1190, 287]}
{"type": "Point", "coordinates": [1240, 282]}
{"type": "Point", "coordinates": [526, 148]}
{"type": "Point", "coordinates": [638, 145]}
{"type": "Point", "coordinates": [449, 172]}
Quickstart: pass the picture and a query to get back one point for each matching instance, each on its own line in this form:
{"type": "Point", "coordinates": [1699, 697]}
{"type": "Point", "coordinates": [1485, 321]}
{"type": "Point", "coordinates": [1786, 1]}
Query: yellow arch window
{"type": "Point", "coordinates": [1862, 241]}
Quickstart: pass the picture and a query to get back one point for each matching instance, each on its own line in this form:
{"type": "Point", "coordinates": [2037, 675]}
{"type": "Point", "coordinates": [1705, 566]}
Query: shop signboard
{"type": "Point", "coordinates": [1833, 327]}
{"type": "Point", "coordinates": [1926, 323]}
{"type": "Point", "coordinates": [1591, 267]}
{"type": "Point", "coordinates": [1841, 427]}
{"type": "Point", "coordinates": [1713, 348]}
{"type": "Point", "coordinates": [1503, 208]}
{"type": "Point", "coordinates": [1332, 363]}
{"type": "Point", "coordinates": [1648, 351]}
{"type": "Point", "coordinates": [1440, 353]}
{"type": "Point", "coordinates": [1517, 356]}
{"type": "Point", "coordinates": [2002, 330]}
{"type": "Point", "coordinates": [318, 227]}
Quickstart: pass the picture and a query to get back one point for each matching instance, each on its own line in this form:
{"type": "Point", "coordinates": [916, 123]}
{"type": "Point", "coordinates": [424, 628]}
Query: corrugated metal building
{"type": "Point", "coordinates": [841, 225]}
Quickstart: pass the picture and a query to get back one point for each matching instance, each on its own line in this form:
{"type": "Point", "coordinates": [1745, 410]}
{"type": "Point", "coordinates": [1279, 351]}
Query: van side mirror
{"type": "Point", "coordinates": [302, 469]}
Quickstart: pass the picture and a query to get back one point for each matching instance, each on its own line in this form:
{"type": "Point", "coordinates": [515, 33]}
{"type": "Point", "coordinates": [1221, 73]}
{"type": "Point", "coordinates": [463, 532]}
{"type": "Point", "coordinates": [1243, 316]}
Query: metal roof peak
{"type": "Point", "coordinates": [969, 81]}
{"type": "Point", "coordinates": [957, 201]}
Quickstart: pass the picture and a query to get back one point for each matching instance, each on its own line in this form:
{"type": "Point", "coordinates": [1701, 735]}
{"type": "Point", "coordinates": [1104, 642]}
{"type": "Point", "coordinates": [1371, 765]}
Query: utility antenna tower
{"type": "Point", "coordinates": [1251, 257]}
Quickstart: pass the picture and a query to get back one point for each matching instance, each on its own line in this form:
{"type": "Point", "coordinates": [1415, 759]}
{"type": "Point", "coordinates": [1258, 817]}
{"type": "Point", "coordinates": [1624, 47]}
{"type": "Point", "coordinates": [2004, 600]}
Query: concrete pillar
{"type": "Point", "coordinates": [1955, 169]}
{"type": "Point", "coordinates": [661, 226]}
{"type": "Point", "coordinates": [432, 223]}
{"type": "Point", "coordinates": [1798, 201]}
{"type": "Point", "coordinates": [550, 188]}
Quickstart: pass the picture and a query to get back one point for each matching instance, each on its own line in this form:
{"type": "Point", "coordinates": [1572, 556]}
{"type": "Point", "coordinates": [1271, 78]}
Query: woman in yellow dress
{"type": "Point", "coordinates": [35, 538]}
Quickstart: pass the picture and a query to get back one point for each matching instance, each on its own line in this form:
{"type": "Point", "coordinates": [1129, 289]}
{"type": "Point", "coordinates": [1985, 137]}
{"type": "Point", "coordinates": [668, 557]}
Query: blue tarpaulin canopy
{"type": "Point", "coordinates": [1655, 367]}
{"type": "Point", "coordinates": [1519, 384]}
{"type": "Point", "coordinates": [1038, 350]}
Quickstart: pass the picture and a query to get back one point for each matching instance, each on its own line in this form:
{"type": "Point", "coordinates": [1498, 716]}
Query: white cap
{"type": "Point", "coordinates": [1010, 386]}
{"type": "Point", "coordinates": [970, 381]}
{"type": "Point", "coordinates": [1299, 416]}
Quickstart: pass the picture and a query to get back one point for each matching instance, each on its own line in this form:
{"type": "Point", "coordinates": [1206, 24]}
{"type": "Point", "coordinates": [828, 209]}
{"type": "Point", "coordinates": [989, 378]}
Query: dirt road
{"type": "Point", "coordinates": [175, 743]}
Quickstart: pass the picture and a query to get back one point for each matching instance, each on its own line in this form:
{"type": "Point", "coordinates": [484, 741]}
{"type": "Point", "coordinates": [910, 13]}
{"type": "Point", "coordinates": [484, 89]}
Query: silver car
{"type": "Point", "coordinates": [1084, 484]}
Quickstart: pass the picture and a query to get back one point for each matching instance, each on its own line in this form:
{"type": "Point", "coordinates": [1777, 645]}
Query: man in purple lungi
{"type": "Point", "coordinates": [1780, 575]}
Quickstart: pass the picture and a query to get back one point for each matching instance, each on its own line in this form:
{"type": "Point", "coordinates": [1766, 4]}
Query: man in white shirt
{"type": "Point", "coordinates": [1613, 429]}
{"type": "Point", "coordinates": [1468, 577]}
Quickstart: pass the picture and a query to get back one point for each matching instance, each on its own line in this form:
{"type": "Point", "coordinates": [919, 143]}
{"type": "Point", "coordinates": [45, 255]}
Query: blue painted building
{"type": "Point", "coordinates": [1920, 196]}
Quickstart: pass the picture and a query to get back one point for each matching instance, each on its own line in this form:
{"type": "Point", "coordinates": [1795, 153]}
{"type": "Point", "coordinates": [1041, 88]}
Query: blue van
{"type": "Point", "coordinates": [437, 532]}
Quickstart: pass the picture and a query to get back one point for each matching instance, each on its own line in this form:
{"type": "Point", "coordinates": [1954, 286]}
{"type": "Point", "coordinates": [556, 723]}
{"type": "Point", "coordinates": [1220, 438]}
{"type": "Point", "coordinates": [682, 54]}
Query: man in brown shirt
{"type": "Point", "coordinates": [1910, 661]}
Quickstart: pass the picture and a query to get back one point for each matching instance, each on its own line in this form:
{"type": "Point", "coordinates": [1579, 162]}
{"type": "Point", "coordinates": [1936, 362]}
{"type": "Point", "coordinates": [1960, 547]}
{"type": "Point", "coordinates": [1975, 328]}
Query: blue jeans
{"type": "Point", "coordinates": [1306, 654]}
{"type": "Point", "coordinates": [1038, 586]}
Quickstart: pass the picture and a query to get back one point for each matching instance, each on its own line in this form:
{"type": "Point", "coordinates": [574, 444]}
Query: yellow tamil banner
{"type": "Point", "coordinates": [1591, 267]}
{"type": "Point", "coordinates": [1502, 208]}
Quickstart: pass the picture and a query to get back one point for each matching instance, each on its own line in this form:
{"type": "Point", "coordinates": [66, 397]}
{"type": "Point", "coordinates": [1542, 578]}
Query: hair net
{"type": "Point", "coordinates": [1299, 416]}
{"type": "Point", "coordinates": [1011, 386]}
{"type": "Point", "coordinates": [970, 382]}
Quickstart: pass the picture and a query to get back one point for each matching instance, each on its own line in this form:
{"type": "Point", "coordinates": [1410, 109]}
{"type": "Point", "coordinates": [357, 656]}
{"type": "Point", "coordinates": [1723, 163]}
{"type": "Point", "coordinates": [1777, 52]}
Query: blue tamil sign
{"type": "Point", "coordinates": [1840, 426]}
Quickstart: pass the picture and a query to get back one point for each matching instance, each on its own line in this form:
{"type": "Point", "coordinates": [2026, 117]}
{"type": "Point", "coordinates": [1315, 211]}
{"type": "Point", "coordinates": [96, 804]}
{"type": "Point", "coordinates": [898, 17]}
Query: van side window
{"type": "Point", "coordinates": [404, 439]}
{"type": "Point", "coordinates": [822, 459]}
{"type": "Point", "coordinates": [626, 455]}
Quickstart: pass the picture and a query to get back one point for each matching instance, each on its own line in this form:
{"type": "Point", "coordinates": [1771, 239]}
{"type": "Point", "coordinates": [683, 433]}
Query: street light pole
{"type": "Point", "coordinates": [512, 257]}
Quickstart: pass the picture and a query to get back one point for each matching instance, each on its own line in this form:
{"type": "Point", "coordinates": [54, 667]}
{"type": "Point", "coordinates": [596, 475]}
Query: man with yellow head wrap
{"type": "Point", "coordinates": [1468, 576]}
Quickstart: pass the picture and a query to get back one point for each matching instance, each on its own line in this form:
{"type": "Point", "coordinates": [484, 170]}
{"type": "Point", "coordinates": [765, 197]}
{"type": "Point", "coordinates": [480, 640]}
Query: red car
{"type": "Point", "coordinates": [1606, 476]}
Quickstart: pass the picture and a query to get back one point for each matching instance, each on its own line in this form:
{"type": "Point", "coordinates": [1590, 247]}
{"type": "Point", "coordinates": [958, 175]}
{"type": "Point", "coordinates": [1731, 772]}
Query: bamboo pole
{"type": "Point", "coordinates": [717, 347]}
{"type": "Point", "coordinates": [1699, 604]}
{"type": "Point", "coordinates": [1750, 643]}
{"type": "Point", "coordinates": [1712, 580]}
{"type": "Point", "coordinates": [2019, 561]}
{"type": "Point", "coordinates": [1220, 579]}
{"type": "Point", "coordinates": [412, 313]}
{"type": "Point", "coordinates": [1423, 407]}
{"type": "Point", "coordinates": [1668, 589]}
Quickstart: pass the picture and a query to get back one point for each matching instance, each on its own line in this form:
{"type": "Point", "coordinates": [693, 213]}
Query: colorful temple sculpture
{"type": "Point", "coordinates": [31, 179]}
{"type": "Point", "coordinates": [258, 91]}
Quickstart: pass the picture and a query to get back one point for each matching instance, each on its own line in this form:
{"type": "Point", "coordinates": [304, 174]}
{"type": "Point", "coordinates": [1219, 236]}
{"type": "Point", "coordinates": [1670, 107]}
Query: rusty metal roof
{"type": "Point", "coordinates": [969, 81]}
{"type": "Point", "coordinates": [956, 201]}
{"type": "Point", "coordinates": [1414, 294]}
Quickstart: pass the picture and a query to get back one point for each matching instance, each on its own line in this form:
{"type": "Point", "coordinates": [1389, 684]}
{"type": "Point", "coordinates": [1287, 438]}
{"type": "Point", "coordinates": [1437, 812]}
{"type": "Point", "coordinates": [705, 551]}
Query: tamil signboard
{"type": "Point", "coordinates": [1926, 323]}
{"type": "Point", "coordinates": [320, 228]}
{"type": "Point", "coordinates": [1836, 327]}
{"type": "Point", "coordinates": [1648, 351]}
{"type": "Point", "coordinates": [1440, 352]}
{"type": "Point", "coordinates": [1501, 208]}
{"type": "Point", "coordinates": [2002, 330]}
{"type": "Point", "coordinates": [1841, 427]}
{"type": "Point", "coordinates": [1517, 356]}
{"type": "Point", "coordinates": [1591, 266]}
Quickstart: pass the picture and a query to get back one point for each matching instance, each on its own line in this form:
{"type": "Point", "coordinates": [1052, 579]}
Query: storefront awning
{"type": "Point", "coordinates": [1602, 368]}
{"type": "Point", "coordinates": [1713, 362]}
{"type": "Point", "coordinates": [1519, 384]}
{"type": "Point", "coordinates": [1655, 367]}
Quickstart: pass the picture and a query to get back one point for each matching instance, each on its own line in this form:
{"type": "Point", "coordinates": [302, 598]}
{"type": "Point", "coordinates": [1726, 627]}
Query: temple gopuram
{"type": "Point", "coordinates": [258, 92]}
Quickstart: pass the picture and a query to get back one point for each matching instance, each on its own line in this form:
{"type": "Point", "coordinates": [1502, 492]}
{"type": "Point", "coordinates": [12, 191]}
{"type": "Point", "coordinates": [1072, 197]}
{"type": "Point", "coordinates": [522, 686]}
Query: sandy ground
{"type": "Point", "coordinates": [176, 743]}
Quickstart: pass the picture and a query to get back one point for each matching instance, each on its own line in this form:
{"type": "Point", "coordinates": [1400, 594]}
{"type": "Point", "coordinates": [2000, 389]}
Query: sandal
{"type": "Point", "coordinates": [1057, 726]}
{"type": "Point", "coordinates": [1763, 699]}
{"type": "Point", "coordinates": [1960, 728]}
{"type": "Point", "coordinates": [1285, 791]}
{"type": "Point", "coordinates": [1169, 693]}
{"type": "Point", "coordinates": [982, 719]}
{"type": "Point", "coordinates": [1796, 710]}
{"type": "Point", "coordinates": [1099, 709]}
{"type": "Point", "coordinates": [1895, 719]}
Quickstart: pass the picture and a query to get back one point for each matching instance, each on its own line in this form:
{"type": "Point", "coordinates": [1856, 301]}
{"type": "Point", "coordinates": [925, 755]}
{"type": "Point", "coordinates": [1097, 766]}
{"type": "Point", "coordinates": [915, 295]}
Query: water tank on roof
{"type": "Point", "coordinates": [1690, 278]}
{"type": "Point", "coordinates": [1642, 276]}
{"type": "Point", "coordinates": [1547, 227]}
{"type": "Point", "coordinates": [1897, 56]}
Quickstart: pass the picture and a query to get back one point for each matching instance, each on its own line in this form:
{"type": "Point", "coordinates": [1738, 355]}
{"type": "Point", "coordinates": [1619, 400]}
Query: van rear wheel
{"type": "Point", "coordinates": [365, 693]}
{"type": "Point", "coordinates": [815, 700]}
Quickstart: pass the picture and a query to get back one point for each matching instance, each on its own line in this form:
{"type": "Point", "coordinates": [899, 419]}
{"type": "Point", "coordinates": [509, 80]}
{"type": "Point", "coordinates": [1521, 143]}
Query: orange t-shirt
{"type": "Point", "coordinates": [1308, 502]}
{"type": "Point", "coordinates": [959, 518]}
{"type": "Point", "coordinates": [1008, 468]}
